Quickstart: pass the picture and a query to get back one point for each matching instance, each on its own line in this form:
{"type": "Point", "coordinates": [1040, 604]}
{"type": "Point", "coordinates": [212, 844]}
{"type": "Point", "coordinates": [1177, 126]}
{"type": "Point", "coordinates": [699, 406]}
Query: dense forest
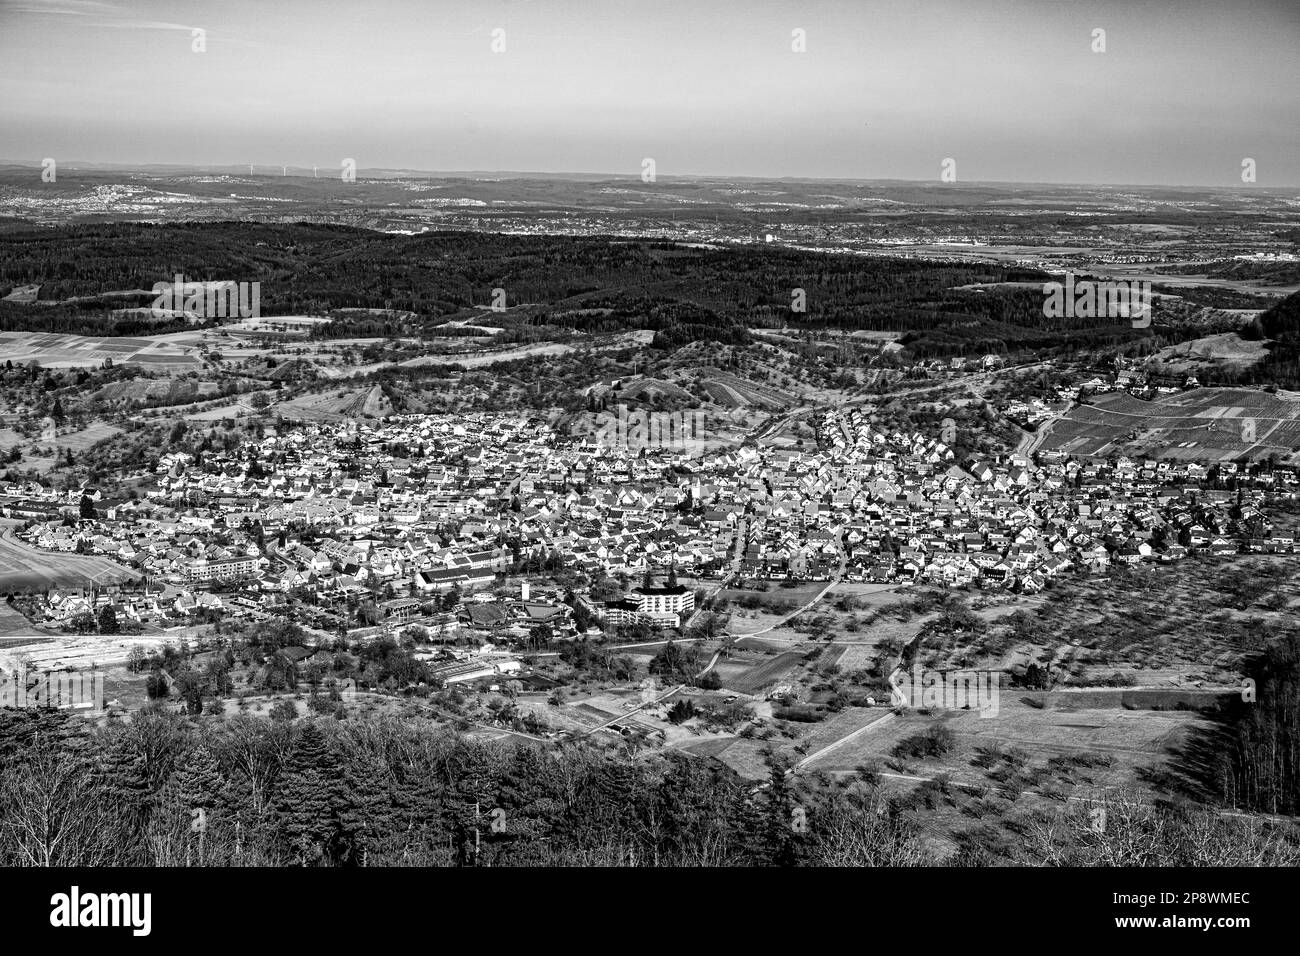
{"type": "Point", "coordinates": [556, 283]}
{"type": "Point", "coordinates": [380, 284]}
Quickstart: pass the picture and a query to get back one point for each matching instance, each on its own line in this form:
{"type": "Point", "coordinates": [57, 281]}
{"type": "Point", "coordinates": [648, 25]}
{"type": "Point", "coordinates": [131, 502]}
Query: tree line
{"type": "Point", "coordinates": [163, 789]}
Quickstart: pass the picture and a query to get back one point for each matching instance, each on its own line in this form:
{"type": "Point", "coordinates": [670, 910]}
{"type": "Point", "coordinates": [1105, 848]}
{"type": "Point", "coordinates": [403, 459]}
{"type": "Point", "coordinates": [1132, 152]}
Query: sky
{"type": "Point", "coordinates": [1011, 90]}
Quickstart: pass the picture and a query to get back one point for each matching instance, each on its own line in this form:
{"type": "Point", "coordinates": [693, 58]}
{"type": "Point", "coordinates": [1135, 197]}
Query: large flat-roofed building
{"type": "Point", "coordinates": [672, 599]}
{"type": "Point", "coordinates": [221, 569]}
{"type": "Point", "coordinates": [622, 613]}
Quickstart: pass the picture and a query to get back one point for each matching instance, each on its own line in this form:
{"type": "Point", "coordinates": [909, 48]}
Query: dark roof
{"type": "Point", "coordinates": [675, 589]}
{"type": "Point", "coordinates": [487, 614]}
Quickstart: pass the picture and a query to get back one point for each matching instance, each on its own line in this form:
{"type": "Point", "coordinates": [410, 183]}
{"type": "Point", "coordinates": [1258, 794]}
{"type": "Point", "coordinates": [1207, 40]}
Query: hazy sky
{"type": "Point", "coordinates": [1011, 90]}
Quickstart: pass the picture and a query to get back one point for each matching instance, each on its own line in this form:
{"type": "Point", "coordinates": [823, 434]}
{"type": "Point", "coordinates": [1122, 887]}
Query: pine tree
{"type": "Point", "coordinates": [366, 807]}
{"type": "Point", "coordinates": [307, 798]}
{"type": "Point", "coordinates": [778, 840]}
{"type": "Point", "coordinates": [199, 782]}
{"type": "Point", "coordinates": [123, 774]}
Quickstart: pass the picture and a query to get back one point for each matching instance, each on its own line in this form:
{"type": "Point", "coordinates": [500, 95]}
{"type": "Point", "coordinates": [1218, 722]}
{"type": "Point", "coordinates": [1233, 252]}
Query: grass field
{"type": "Point", "coordinates": [769, 606]}
{"type": "Point", "coordinates": [93, 433]}
{"type": "Point", "coordinates": [1127, 740]}
{"type": "Point", "coordinates": [13, 623]}
{"type": "Point", "coordinates": [26, 569]}
{"type": "Point", "coordinates": [755, 678]}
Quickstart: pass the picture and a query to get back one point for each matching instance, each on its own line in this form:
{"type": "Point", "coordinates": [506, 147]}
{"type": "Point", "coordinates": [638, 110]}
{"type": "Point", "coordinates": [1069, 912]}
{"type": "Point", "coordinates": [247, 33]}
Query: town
{"type": "Point", "coordinates": [418, 524]}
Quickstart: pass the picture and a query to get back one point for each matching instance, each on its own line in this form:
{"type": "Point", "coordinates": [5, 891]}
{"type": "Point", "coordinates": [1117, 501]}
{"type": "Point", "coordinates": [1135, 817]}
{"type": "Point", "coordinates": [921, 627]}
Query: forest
{"type": "Point", "coordinates": [165, 789]}
{"type": "Point", "coordinates": [553, 286]}
{"type": "Point", "coordinates": [380, 284]}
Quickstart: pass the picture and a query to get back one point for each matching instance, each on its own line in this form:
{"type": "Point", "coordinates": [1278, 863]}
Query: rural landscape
{"type": "Point", "coordinates": [759, 501]}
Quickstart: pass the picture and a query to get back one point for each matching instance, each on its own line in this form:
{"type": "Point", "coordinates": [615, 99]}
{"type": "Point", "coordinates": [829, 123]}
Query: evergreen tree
{"type": "Point", "coordinates": [307, 797]}
{"type": "Point", "coordinates": [107, 620]}
{"type": "Point", "coordinates": [199, 781]}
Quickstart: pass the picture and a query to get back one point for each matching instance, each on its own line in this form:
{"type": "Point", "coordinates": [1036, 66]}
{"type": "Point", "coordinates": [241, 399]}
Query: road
{"type": "Point", "coordinates": [1036, 438]}
{"type": "Point", "coordinates": [732, 637]}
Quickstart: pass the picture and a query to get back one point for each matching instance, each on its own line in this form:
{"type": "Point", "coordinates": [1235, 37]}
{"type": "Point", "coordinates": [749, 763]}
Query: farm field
{"type": "Point", "coordinates": [755, 678]}
{"type": "Point", "coordinates": [840, 726]}
{"type": "Point", "coordinates": [57, 350]}
{"type": "Point", "coordinates": [713, 747]}
{"type": "Point", "coordinates": [93, 433]}
{"type": "Point", "coordinates": [14, 625]}
{"type": "Point", "coordinates": [81, 651]}
{"type": "Point", "coordinates": [221, 412]}
{"type": "Point", "coordinates": [871, 595]}
{"type": "Point", "coordinates": [26, 569]}
{"type": "Point", "coordinates": [732, 391]}
{"type": "Point", "coordinates": [856, 656]}
{"type": "Point", "coordinates": [1204, 424]}
{"type": "Point", "coordinates": [345, 403]}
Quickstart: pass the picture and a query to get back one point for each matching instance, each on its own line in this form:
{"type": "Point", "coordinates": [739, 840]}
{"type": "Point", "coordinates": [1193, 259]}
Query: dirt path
{"type": "Point", "coordinates": [732, 637]}
{"type": "Point", "coordinates": [885, 717]}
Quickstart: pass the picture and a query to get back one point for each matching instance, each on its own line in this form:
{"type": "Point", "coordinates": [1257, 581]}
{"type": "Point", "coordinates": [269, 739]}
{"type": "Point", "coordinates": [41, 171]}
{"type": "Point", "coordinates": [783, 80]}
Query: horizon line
{"type": "Point", "coordinates": [398, 171]}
